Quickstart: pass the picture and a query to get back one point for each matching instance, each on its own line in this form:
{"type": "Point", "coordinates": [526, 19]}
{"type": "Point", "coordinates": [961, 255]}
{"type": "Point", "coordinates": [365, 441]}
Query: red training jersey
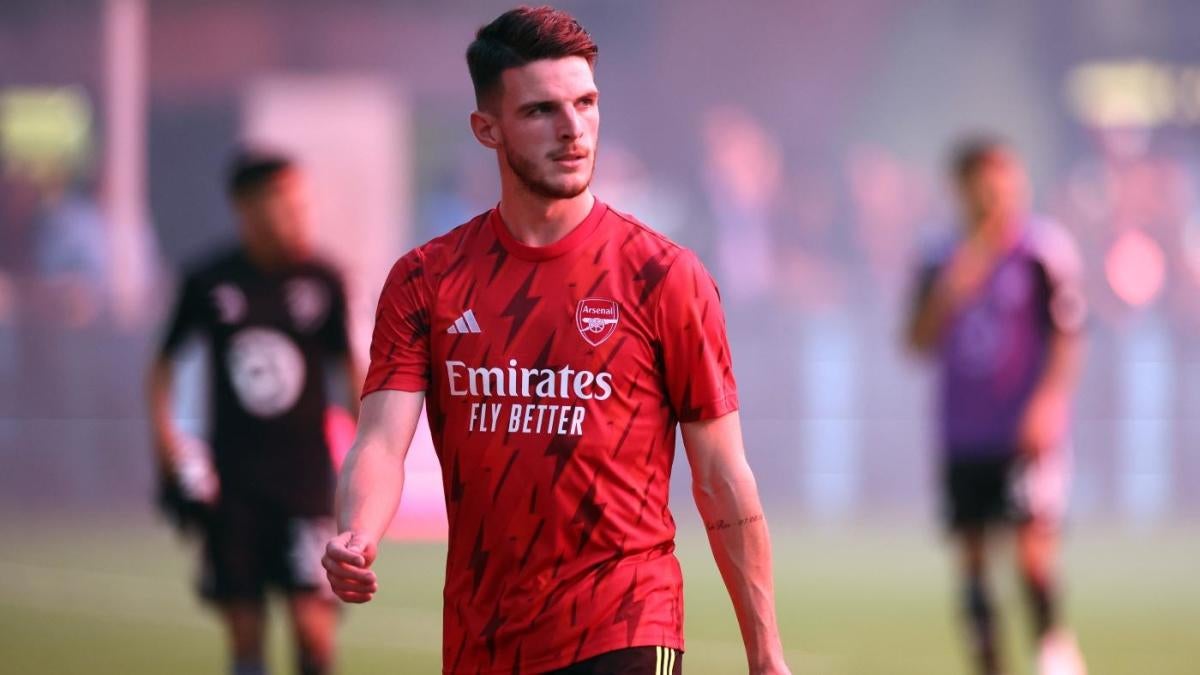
{"type": "Point", "coordinates": [555, 378]}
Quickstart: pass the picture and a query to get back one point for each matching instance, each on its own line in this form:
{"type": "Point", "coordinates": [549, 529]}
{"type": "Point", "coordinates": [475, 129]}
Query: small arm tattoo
{"type": "Point", "coordinates": [722, 524]}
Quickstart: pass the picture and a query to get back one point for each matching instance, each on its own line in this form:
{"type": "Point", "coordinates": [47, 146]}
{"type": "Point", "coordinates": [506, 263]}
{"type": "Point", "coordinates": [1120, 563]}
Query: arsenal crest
{"type": "Point", "coordinates": [596, 319]}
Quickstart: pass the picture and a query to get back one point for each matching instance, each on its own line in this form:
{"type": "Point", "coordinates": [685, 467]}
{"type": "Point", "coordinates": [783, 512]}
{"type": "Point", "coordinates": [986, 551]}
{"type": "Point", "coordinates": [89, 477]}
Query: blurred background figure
{"type": "Point", "coordinates": [70, 251]}
{"type": "Point", "coordinates": [272, 318]}
{"type": "Point", "coordinates": [743, 172]}
{"type": "Point", "coordinates": [1000, 311]}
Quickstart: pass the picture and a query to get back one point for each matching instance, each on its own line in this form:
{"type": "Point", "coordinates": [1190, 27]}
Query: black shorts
{"type": "Point", "coordinates": [249, 547]}
{"type": "Point", "coordinates": [632, 661]}
{"type": "Point", "coordinates": [984, 491]}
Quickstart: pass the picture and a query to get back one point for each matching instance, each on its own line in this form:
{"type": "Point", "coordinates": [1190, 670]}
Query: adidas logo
{"type": "Point", "coordinates": [465, 324]}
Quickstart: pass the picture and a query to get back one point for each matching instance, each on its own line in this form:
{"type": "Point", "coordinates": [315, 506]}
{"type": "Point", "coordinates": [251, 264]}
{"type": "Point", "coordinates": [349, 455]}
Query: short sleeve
{"type": "Point", "coordinates": [697, 364]}
{"type": "Point", "coordinates": [187, 315]}
{"type": "Point", "coordinates": [400, 341]}
{"type": "Point", "coordinates": [334, 334]}
{"type": "Point", "coordinates": [1061, 265]}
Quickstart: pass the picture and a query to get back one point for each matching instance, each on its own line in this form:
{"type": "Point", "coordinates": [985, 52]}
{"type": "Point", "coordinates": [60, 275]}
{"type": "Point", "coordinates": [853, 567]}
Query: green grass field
{"type": "Point", "coordinates": [108, 596]}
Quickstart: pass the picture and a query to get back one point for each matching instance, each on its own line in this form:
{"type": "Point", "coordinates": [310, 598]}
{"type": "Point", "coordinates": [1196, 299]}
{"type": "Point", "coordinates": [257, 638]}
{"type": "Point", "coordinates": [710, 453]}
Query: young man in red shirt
{"type": "Point", "coordinates": [556, 344]}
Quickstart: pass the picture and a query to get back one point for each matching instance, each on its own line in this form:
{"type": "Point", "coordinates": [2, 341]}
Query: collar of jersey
{"type": "Point", "coordinates": [573, 240]}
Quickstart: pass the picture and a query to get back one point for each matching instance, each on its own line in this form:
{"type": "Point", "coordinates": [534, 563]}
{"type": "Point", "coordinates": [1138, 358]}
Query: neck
{"type": "Point", "coordinates": [264, 258]}
{"type": "Point", "coordinates": [1000, 233]}
{"type": "Point", "coordinates": [264, 261]}
{"type": "Point", "coordinates": [535, 220]}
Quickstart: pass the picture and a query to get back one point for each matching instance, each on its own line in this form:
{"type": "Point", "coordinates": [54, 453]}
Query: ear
{"type": "Point", "coordinates": [487, 131]}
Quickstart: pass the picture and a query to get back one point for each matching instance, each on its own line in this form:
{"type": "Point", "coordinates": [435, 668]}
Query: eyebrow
{"type": "Point", "coordinates": [551, 102]}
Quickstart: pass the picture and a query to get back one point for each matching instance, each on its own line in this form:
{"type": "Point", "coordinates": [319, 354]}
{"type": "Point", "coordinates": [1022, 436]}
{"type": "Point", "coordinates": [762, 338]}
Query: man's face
{"type": "Point", "coordinates": [997, 190]}
{"type": "Point", "coordinates": [278, 217]}
{"type": "Point", "coordinates": [548, 121]}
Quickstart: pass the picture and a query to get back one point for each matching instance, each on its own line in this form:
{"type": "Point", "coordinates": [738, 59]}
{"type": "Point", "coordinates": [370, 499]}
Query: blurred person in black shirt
{"type": "Point", "coordinates": [273, 318]}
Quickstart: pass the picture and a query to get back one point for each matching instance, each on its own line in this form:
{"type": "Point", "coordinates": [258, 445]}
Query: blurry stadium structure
{"type": "Point", "coordinates": [798, 152]}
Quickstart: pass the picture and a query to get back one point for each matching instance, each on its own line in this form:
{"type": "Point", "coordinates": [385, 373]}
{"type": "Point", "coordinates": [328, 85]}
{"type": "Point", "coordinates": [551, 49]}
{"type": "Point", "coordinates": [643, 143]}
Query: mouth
{"type": "Point", "coordinates": [570, 159]}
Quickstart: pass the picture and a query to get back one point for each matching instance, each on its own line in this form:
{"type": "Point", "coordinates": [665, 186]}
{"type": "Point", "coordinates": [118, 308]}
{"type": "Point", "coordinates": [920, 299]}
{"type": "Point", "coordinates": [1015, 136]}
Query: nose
{"type": "Point", "coordinates": [571, 124]}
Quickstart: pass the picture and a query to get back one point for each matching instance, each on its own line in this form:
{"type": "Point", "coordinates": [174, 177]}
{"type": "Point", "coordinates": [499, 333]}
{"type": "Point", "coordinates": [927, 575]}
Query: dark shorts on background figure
{"type": "Point", "coordinates": [249, 547]}
{"type": "Point", "coordinates": [981, 492]}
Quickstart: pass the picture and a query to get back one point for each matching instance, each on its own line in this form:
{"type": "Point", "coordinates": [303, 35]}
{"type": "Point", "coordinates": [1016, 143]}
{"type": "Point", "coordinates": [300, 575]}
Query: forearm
{"type": "Point", "coordinates": [737, 532]}
{"type": "Point", "coordinates": [1064, 363]}
{"type": "Point", "coordinates": [369, 489]}
{"type": "Point", "coordinates": [159, 400]}
{"type": "Point", "coordinates": [928, 321]}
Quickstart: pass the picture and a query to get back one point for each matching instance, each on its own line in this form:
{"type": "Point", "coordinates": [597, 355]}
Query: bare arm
{"type": "Point", "coordinates": [372, 478]}
{"type": "Point", "coordinates": [1046, 418]}
{"type": "Point", "coordinates": [1064, 364]}
{"type": "Point", "coordinates": [1047, 415]}
{"type": "Point", "coordinates": [162, 426]}
{"type": "Point", "coordinates": [727, 498]}
{"type": "Point", "coordinates": [927, 320]}
{"type": "Point", "coordinates": [369, 489]}
{"type": "Point", "coordinates": [946, 290]}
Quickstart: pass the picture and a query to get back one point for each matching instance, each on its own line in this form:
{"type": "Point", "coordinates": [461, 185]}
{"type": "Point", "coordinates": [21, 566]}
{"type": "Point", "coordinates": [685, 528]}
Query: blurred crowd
{"type": "Point", "coordinates": [814, 245]}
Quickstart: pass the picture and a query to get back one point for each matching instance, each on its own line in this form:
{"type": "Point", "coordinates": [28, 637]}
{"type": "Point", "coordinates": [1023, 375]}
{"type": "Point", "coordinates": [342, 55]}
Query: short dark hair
{"type": "Point", "coordinates": [972, 152]}
{"type": "Point", "coordinates": [250, 170]}
{"type": "Point", "coordinates": [520, 36]}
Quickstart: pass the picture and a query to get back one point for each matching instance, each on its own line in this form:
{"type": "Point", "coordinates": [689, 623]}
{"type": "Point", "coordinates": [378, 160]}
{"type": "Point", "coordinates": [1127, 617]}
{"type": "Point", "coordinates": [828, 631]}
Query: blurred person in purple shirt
{"type": "Point", "coordinates": [1000, 312]}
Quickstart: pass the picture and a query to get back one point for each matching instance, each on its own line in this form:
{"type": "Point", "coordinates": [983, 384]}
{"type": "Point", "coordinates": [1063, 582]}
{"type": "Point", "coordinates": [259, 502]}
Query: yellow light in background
{"type": "Point", "coordinates": [1123, 94]}
{"type": "Point", "coordinates": [44, 130]}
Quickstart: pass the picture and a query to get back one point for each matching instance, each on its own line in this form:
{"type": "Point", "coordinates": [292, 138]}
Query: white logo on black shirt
{"type": "Point", "coordinates": [267, 371]}
{"type": "Point", "coordinates": [307, 303]}
{"type": "Point", "coordinates": [230, 302]}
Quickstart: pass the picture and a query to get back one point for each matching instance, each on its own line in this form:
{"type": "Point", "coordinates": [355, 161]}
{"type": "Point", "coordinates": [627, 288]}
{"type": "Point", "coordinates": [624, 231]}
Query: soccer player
{"type": "Point", "coordinates": [556, 344]}
{"type": "Point", "coordinates": [273, 318]}
{"type": "Point", "coordinates": [1001, 312]}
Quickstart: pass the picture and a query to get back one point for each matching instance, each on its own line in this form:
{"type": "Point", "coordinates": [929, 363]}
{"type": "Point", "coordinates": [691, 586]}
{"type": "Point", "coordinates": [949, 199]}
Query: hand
{"type": "Point", "coordinates": [186, 515]}
{"type": "Point", "coordinates": [1044, 424]}
{"type": "Point", "coordinates": [967, 271]}
{"type": "Point", "coordinates": [347, 560]}
{"type": "Point", "coordinates": [188, 488]}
